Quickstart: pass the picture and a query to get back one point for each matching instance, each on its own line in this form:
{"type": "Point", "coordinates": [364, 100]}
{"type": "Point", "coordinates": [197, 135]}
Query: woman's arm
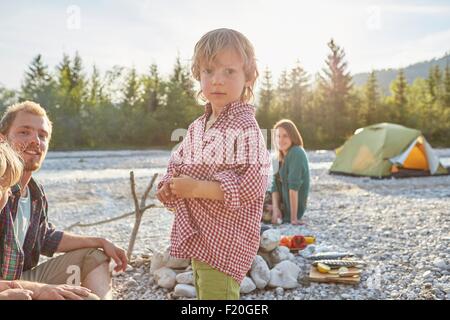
{"type": "Point", "coordinates": [276, 200]}
{"type": "Point", "coordinates": [276, 212]}
{"type": "Point", "coordinates": [293, 201]}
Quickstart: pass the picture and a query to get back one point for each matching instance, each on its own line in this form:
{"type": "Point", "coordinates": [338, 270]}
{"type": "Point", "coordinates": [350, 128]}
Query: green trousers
{"type": "Point", "coordinates": [212, 284]}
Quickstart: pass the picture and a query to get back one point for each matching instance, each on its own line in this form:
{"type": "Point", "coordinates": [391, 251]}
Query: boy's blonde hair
{"type": "Point", "coordinates": [217, 40]}
{"type": "Point", "coordinates": [26, 106]}
{"type": "Point", "coordinates": [11, 165]}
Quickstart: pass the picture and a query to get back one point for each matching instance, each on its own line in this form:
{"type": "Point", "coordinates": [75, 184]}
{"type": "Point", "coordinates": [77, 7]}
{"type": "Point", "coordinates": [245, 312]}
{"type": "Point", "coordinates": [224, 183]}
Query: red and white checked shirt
{"type": "Point", "coordinates": [224, 234]}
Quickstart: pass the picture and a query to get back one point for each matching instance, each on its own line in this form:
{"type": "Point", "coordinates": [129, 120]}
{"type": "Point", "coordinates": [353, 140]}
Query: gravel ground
{"type": "Point", "coordinates": [400, 227]}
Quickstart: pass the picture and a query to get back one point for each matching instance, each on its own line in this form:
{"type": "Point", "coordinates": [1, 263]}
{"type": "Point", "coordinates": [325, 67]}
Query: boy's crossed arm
{"type": "Point", "coordinates": [186, 187]}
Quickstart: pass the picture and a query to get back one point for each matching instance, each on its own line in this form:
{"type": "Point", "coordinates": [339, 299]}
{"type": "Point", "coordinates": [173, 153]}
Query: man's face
{"type": "Point", "coordinates": [29, 134]}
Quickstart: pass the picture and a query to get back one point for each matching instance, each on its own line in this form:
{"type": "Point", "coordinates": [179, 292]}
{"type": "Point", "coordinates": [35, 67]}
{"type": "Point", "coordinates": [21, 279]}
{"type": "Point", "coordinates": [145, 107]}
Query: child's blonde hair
{"type": "Point", "coordinates": [11, 165]}
{"type": "Point", "coordinates": [217, 40]}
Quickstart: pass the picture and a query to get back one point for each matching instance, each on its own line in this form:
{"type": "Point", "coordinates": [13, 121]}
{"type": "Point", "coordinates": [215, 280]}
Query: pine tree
{"type": "Point", "coordinates": [446, 98]}
{"type": "Point", "coordinates": [371, 99]}
{"type": "Point", "coordinates": [7, 98]}
{"type": "Point", "coordinates": [69, 109]}
{"type": "Point", "coordinates": [336, 83]}
{"type": "Point", "coordinates": [180, 75]}
{"type": "Point", "coordinates": [96, 94]}
{"type": "Point", "coordinates": [71, 85]}
{"type": "Point", "coordinates": [152, 87]}
{"type": "Point", "coordinates": [180, 106]}
{"type": "Point", "coordinates": [399, 89]}
{"type": "Point", "coordinates": [38, 84]}
{"type": "Point", "coordinates": [266, 99]}
{"type": "Point", "coordinates": [298, 93]}
{"type": "Point", "coordinates": [131, 94]}
{"type": "Point", "coordinates": [434, 82]}
{"type": "Point", "coordinates": [283, 96]}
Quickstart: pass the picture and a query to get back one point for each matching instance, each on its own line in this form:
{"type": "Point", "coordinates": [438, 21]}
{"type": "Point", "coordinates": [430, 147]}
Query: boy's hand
{"type": "Point", "coordinates": [165, 194]}
{"type": "Point", "coordinates": [183, 186]}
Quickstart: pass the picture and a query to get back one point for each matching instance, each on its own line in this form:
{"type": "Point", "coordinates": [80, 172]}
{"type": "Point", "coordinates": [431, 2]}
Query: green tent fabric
{"type": "Point", "coordinates": [373, 150]}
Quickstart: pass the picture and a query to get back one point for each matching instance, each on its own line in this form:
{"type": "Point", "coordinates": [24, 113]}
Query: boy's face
{"type": "Point", "coordinates": [29, 135]}
{"type": "Point", "coordinates": [223, 81]}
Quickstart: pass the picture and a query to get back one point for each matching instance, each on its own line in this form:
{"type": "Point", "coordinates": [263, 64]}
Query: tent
{"type": "Point", "coordinates": [387, 149]}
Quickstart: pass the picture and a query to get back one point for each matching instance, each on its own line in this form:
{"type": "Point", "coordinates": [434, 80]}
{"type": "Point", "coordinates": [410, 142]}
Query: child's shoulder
{"type": "Point", "coordinates": [244, 117]}
{"type": "Point", "coordinates": [196, 122]}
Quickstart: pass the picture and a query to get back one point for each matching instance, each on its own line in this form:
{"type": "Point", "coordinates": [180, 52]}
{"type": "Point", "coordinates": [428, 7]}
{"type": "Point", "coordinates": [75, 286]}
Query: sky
{"type": "Point", "coordinates": [374, 34]}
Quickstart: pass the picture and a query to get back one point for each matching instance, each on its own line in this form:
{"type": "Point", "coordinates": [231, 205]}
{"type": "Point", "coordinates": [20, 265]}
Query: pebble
{"type": "Point", "coordinates": [279, 291]}
{"type": "Point", "coordinates": [440, 263]}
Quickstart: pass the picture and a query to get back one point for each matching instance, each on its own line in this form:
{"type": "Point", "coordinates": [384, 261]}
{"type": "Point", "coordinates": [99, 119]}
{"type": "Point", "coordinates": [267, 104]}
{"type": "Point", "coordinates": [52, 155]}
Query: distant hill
{"type": "Point", "coordinates": [385, 76]}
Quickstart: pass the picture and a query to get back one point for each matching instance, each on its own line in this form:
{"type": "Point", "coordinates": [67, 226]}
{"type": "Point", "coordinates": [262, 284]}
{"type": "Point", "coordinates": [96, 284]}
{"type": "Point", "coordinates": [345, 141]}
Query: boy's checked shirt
{"type": "Point", "coordinates": [224, 234]}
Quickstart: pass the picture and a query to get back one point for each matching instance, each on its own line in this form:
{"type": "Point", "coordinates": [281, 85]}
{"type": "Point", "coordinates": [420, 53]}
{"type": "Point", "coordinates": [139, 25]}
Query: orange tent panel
{"type": "Point", "coordinates": [417, 158]}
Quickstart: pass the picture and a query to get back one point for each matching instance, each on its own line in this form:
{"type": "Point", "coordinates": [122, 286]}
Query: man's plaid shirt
{"type": "Point", "coordinates": [41, 237]}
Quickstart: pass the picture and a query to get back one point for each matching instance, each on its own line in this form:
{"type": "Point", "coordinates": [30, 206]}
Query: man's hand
{"type": "Point", "coordinates": [117, 254]}
{"type": "Point", "coordinates": [5, 285]}
{"type": "Point", "coordinates": [60, 292]}
{"type": "Point", "coordinates": [183, 186]}
{"type": "Point", "coordinates": [16, 294]}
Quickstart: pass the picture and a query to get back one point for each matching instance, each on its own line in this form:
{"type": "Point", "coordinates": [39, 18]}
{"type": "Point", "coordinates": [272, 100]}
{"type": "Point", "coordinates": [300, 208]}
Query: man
{"type": "Point", "coordinates": [25, 232]}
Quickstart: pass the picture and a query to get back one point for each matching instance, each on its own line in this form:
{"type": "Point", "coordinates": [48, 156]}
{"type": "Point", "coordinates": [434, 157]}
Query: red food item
{"type": "Point", "coordinates": [286, 241]}
{"type": "Point", "coordinates": [298, 242]}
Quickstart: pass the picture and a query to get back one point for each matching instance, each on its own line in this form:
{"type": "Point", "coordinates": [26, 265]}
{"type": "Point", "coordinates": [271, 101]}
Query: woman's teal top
{"type": "Point", "coordinates": [293, 175]}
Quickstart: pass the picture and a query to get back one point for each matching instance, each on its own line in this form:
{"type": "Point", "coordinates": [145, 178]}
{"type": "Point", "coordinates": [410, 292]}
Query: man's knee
{"type": "Point", "coordinates": [93, 259]}
{"type": "Point", "coordinates": [91, 296]}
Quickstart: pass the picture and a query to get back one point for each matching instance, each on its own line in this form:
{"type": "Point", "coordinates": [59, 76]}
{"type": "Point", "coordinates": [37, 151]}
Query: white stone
{"type": "Point", "coordinates": [427, 274]}
{"type": "Point", "coordinates": [284, 275]}
{"type": "Point", "coordinates": [157, 262]}
{"type": "Point", "coordinates": [266, 258]}
{"type": "Point", "coordinates": [260, 272]}
{"type": "Point", "coordinates": [440, 263]}
{"type": "Point", "coordinates": [131, 283]}
{"type": "Point", "coordinates": [270, 239]}
{"type": "Point", "coordinates": [247, 285]}
{"type": "Point", "coordinates": [165, 277]}
{"type": "Point", "coordinates": [279, 254]}
{"type": "Point", "coordinates": [175, 263]}
{"type": "Point", "coordinates": [185, 278]}
{"type": "Point", "coordinates": [185, 290]}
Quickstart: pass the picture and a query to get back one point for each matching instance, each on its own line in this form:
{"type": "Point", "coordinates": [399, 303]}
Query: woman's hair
{"type": "Point", "coordinates": [217, 40]}
{"type": "Point", "coordinates": [11, 165]}
{"type": "Point", "coordinates": [292, 132]}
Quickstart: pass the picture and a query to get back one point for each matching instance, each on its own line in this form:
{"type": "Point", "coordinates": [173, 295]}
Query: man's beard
{"type": "Point", "coordinates": [34, 163]}
{"type": "Point", "coordinates": [31, 166]}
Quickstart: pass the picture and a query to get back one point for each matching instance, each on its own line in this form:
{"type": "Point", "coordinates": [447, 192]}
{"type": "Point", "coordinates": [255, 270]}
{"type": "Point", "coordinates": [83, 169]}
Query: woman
{"type": "Point", "coordinates": [290, 183]}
